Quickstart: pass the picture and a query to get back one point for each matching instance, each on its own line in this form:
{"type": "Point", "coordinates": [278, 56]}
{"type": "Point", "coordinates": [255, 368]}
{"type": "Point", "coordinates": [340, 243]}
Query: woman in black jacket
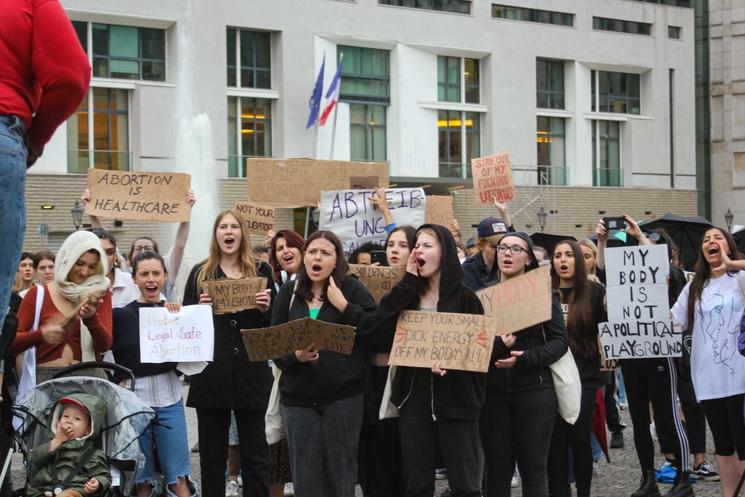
{"type": "Point", "coordinates": [321, 391]}
{"type": "Point", "coordinates": [447, 406]}
{"type": "Point", "coordinates": [231, 382]}
{"type": "Point", "coordinates": [520, 408]}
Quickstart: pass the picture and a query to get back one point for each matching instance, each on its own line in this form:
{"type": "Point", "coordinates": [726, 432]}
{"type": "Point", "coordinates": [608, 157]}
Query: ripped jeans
{"type": "Point", "coordinates": [168, 434]}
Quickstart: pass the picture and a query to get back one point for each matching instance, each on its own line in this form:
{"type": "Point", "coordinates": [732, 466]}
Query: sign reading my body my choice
{"type": "Point", "coordinates": [351, 216]}
{"type": "Point", "coordinates": [184, 336]}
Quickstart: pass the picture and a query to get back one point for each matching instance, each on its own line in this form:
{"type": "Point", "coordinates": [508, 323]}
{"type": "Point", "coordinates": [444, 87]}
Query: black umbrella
{"type": "Point", "coordinates": [549, 241]}
{"type": "Point", "coordinates": [686, 231]}
{"type": "Point", "coordinates": [739, 237]}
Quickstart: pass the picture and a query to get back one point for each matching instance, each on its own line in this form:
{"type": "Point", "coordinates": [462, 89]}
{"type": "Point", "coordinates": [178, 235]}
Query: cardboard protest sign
{"type": "Point", "coordinates": [638, 309]}
{"type": "Point", "coordinates": [458, 341]}
{"type": "Point", "coordinates": [439, 210]}
{"type": "Point", "coordinates": [139, 195]}
{"type": "Point", "coordinates": [378, 279]}
{"type": "Point", "coordinates": [605, 363]}
{"type": "Point", "coordinates": [233, 295]}
{"type": "Point", "coordinates": [518, 303]}
{"type": "Point", "coordinates": [351, 216]}
{"type": "Point", "coordinates": [277, 341]}
{"type": "Point", "coordinates": [185, 336]}
{"type": "Point", "coordinates": [299, 182]}
{"type": "Point", "coordinates": [259, 219]}
{"type": "Point", "coordinates": [492, 178]}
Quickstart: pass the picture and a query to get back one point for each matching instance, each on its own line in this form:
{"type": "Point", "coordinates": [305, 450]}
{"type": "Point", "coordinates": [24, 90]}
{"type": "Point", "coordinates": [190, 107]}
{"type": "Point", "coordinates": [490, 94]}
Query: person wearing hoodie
{"type": "Point", "coordinates": [480, 269]}
{"type": "Point", "coordinates": [321, 391]}
{"type": "Point", "coordinates": [70, 461]}
{"type": "Point", "coordinates": [520, 409]}
{"type": "Point", "coordinates": [445, 405]}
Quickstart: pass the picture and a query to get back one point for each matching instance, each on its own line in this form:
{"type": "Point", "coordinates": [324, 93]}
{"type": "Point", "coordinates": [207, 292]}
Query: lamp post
{"type": "Point", "coordinates": [77, 214]}
{"type": "Point", "coordinates": [542, 216]}
{"type": "Point", "coordinates": [728, 217]}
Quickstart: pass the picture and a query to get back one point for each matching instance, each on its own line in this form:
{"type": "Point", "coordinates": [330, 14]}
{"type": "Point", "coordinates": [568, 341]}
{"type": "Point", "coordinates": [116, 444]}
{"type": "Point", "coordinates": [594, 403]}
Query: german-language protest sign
{"type": "Point", "coordinates": [184, 336]}
{"type": "Point", "coordinates": [351, 216]}
{"type": "Point", "coordinates": [233, 295]}
{"type": "Point", "coordinates": [639, 323]}
{"type": "Point", "coordinates": [378, 279]}
{"type": "Point", "coordinates": [492, 178]}
{"type": "Point", "coordinates": [439, 210]}
{"type": "Point", "coordinates": [277, 341]}
{"type": "Point", "coordinates": [139, 195]}
{"type": "Point", "coordinates": [519, 302]}
{"type": "Point", "coordinates": [457, 341]}
{"type": "Point", "coordinates": [259, 218]}
{"type": "Point", "coordinates": [299, 182]}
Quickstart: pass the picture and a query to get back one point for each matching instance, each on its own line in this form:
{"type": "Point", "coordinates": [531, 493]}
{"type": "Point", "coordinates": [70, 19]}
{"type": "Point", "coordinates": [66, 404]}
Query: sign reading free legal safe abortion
{"type": "Point", "coordinates": [184, 336]}
{"type": "Point", "coordinates": [356, 221]}
{"type": "Point", "coordinates": [639, 323]}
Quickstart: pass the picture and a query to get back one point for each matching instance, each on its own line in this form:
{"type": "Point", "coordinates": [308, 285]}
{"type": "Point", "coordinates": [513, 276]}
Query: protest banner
{"type": "Point", "coordinates": [605, 363]}
{"type": "Point", "coordinates": [439, 210]}
{"type": "Point", "coordinates": [520, 302]}
{"type": "Point", "coordinates": [259, 219]}
{"type": "Point", "coordinates": [351, 216]}
{"type": "Point", "coordinates": [638, 309]}
{"type": "Point", "coordinates": [492, 178]}
{"type": "Point", "coordinates": [378, 279]}
{"type": "Point", "coordinates": [233, 295]}
{"type": "Point", "coordinates": [263, 344]}
{"type": "Point", "coordinates": [457, 341]}
{"type": "Point", "coordinates": [139, 195]}
{"type": "Point", "coordinates": [184, 336]}
{"type": "Point", "coordinates": [299, 182]}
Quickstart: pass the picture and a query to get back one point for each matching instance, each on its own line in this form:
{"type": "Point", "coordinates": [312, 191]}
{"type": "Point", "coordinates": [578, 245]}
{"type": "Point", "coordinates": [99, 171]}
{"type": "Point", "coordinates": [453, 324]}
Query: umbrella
{"type": "Point", "coordinates": [686, 231]}
{"type": "Point", "coordinates": [739, 237]}
{"type": "Point", "coordinates": [549, 241]}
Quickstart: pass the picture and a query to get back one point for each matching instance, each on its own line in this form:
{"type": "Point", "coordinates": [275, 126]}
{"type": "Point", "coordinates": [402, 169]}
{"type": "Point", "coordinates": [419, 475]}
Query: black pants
{"type": "Point", "coordinates": [656, 381]}
{"type": "Point", "coordinates": [725, 417]}
{"type": "Point", "coordinates": [612, 416]}
{"type": "Point", "coordinates": [516, 427]}
{"type": "Point", "coordinates": [695, 422]}
{"type": "Point", "coordinates": [577, 437]}
{"type": "Point", "coordinates": [461, 448]}
{"type": "Point", "coordinates": [213, 426]}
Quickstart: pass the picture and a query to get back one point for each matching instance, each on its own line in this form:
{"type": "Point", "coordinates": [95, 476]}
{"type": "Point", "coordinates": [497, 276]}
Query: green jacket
{"type": "Point", "coordinates": [69, 454]}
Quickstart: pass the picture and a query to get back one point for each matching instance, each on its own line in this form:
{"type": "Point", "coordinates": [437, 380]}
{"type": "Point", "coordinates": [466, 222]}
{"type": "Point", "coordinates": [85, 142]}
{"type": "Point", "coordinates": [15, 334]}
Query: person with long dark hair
{"type": "Point", "coordinates": [285, 256]}
{"type": "Point", "coordinates": [321, 391]}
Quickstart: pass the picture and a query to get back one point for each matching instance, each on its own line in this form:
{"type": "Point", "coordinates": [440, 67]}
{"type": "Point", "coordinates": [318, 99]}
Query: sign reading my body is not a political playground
{"type": "Point", "coordinates": [639, 323]}
{"type": "Point", "coordinates": [184, 336]}
{"type": "Point", "coordinates": [350, 215]}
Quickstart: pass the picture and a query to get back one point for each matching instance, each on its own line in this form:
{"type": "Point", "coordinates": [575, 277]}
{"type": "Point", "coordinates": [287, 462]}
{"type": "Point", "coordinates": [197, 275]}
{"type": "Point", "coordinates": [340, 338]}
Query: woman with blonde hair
{"type": "Point", "coordinates": [231, 382]}
{"type": "Point", "coordinates": [590, 256]}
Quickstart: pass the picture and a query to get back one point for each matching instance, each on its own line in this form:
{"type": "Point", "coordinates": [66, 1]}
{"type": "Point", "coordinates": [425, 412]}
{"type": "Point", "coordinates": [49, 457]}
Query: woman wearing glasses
{"type": "Point", "coordinates": [520, 408]}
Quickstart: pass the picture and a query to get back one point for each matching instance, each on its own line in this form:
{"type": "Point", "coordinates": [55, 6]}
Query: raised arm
{"type": "Point", "coordinates": [182, 236]}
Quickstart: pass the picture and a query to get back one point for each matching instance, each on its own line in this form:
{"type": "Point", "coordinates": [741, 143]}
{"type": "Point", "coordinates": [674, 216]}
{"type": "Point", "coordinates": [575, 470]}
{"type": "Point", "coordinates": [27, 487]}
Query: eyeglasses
{"type": "Point", "coordinates": [512, 249]}
{"type": "Point", "coordinates": [145, 248]}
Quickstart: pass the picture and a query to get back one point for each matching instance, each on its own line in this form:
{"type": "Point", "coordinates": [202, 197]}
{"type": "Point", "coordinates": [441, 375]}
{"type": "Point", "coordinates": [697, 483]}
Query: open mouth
{"type": "Point", "coordinates": [315, 269]}
{"type": "Point", "coordinates": [563, 268]}
{"type": "Point", "coordinates": [152, 290]}
{"type": "Point", "coordinates": [229, 242]}
{"type": "Point", "coordinates": [288, 259]}
{"type": "Point", "coordinates": [420, 263]}
{"type": "Point", "coordinates": [714, 249]}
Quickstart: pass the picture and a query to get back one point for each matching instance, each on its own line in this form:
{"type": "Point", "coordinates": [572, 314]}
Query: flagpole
{"type": "Point", "coordinates": [336, 114]}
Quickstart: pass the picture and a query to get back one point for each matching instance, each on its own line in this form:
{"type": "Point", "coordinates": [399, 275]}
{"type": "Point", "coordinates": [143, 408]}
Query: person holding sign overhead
{"type": "Point", "coordinates": [231, 382]}
{"type": "Point", "coordinates": [157, 385]}
{"type": "Point", "coordinates": [321, 391]}
{"type": "Point", "coordinates": [520, 408]}
{"type": "Point", "coordinates": [434, 403]}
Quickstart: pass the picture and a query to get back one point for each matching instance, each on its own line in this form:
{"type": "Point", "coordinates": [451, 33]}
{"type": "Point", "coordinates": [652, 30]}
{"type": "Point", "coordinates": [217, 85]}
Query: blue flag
{"type": "Point", "coordinates": [314, 104]}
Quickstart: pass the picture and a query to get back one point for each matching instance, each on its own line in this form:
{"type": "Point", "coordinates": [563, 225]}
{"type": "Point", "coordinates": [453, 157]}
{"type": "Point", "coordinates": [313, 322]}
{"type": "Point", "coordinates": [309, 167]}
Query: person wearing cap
{"type": "Point", "coordinates": [480, 269]}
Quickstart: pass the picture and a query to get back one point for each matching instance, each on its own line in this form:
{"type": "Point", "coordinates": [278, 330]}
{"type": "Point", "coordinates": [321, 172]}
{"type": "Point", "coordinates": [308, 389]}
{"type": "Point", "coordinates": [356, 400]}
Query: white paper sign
{"type": "Point", "coordinates": [185, 336]}
{"type": "Point", "coordinates": [641, 339]}
{"type": "Point", "coordinates": [351, 216]}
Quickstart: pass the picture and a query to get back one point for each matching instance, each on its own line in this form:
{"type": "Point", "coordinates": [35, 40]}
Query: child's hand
{"type": "Point", "coordinates": [91, 486]}
{"type": "Point", "coordinates": [64, 433]}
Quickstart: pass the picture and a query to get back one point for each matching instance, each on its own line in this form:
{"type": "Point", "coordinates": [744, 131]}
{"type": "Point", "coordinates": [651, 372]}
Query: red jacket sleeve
{"type": "Point", "coordinates": [101, 324]}
{"type": "Point", "coordinates": [60, 68]}
{"type": "Point", "coordinates": [25, 336]}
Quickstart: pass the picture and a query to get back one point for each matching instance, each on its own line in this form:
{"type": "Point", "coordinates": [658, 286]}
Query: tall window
{"type": "Point", "coordinates": [249, 132]}
{"type": "Point", "coordinates": [98, 133]}
{"type": "Point", "coordinates": [124, 52]}
{"type": "Point", "coordinates": [457, 79]}
{"type": "Point", "coordinates": [457, 6]}
{"type": "Point", "coordinates": [616, 92]}
{"type": "Point", "coordinates": [365, 85]}
{"type": "Point", "coordinates": [551, 151]}
{"type": "Point", "coordinates": [549, 84]}
{"type": "Point", "coordinates": [606, 153]}
{"type": "Point", "coordinates": [249, 60]}
{"type": "Point", "coordinates": [459, 141]}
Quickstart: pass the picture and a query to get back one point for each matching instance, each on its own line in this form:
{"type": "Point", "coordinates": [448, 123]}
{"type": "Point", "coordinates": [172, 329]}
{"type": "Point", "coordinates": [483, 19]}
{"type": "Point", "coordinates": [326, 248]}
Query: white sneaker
{"type": "Point", "coordinates": [231, 488]}
{"type": "Point", "coordinates": [289, 490]}
{"type": "Point", "coordinates": [240, 481]}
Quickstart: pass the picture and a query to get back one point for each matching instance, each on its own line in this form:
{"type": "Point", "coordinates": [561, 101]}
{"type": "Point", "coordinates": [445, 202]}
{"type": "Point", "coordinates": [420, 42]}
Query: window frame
{"type": "Point", "coordinates": [236, 64]}
{"type": "Point", "coordinates": [546, 90]}
{"type": "Point", "coordinates": [597, 96]}
{"type": "Point", "coordinates": [239, 170]}
{"type": "Point", "coordinates": [422, 5]}
{"type": "Point", "coordinates": [463, 133]}
{"type": "Point", "coordinates": [526, 14]}
{"type": "Point", "coordinates": [602, 177]}
{"type": "Point", "coordinates": [551, 174]}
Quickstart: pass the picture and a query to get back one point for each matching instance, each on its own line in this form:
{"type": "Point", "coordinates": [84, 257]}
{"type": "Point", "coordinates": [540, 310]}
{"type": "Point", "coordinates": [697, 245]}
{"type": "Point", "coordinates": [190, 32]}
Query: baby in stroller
{"type": "Point", "coordinates": [70, 465]}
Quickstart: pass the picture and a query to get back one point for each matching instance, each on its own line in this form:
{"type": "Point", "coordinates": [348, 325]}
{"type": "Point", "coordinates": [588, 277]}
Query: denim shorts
{"type": "Point", "coordinates": [168, 433]}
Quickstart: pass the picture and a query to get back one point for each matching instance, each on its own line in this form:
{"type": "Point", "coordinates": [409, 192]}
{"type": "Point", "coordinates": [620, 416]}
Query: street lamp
{"type": "Point", "coordinates": [542, 215]}
{"type": "Point", "coordinates": [77, 214]}
{"type": "Point", "coordinates": [728, 217]}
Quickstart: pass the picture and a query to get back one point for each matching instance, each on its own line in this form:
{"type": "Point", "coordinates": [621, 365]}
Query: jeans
{"type": "Point", "coordinates": [168, 435]}
{"type": "Point", "coordinates": [323, 444]}
{"type": "Point", "coordinates": [13, 155]}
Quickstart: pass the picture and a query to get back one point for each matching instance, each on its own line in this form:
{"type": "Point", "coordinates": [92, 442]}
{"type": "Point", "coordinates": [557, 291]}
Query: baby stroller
{"type": "Point", "coordinates": [126, 418]}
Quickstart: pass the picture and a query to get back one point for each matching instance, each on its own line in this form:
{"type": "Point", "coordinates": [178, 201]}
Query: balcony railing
{"type": "Point", "coordinates": [79, 161]}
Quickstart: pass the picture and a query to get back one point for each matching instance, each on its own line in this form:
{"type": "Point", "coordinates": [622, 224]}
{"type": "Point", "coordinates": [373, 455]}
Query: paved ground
{"type": "Point", "coordinates": [618, 478]}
